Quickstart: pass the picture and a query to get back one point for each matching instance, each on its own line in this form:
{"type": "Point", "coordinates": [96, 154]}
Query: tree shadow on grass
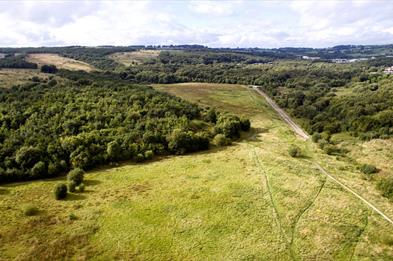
{"type": "Point", "coordinates": [91, 182]}
{"type": "Point", "coordinates": [4, 191]}
{"type": "Point", "coordinates": [74, 197]}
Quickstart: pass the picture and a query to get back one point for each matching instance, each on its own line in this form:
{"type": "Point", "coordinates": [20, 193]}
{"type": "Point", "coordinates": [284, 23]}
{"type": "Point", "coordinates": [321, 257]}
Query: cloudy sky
{"type": "Point", "coordinates": [213, 23]}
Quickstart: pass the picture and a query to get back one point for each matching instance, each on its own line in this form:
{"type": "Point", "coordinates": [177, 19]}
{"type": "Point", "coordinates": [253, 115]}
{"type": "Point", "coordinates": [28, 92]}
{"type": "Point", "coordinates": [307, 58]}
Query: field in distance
{"type": "Point", "coordinates": [250, 200]}
{"type": "Point", "coordinates": [132, 58]}
{"type": "Point", "coordinates": [59, 61]}
{"type": "Point", "coordinates": [12, 77]}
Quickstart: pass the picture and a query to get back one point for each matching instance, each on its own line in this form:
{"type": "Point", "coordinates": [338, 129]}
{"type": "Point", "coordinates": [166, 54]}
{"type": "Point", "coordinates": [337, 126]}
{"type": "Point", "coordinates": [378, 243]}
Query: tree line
{"type": "Point", "coordinates": [52, 126]}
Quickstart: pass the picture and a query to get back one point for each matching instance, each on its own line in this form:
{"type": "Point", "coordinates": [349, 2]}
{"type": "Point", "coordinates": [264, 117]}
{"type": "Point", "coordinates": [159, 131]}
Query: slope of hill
{"type": "Point", "coordinates": [250, 200]}
{"type": "Point", "coordinates": [59, 61]}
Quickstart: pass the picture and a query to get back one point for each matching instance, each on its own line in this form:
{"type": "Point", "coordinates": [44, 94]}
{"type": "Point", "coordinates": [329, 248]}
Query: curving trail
{"type": "Point", "coordinates": [301, 133]}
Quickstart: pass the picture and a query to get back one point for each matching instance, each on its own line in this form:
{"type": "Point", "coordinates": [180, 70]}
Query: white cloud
{"type": "Point", "coordinates": [214, 23]}
{"type": "Point", "coordinates": [215, 7]}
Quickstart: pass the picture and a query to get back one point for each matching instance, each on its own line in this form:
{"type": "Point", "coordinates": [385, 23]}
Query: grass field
{"type": "Point", "coordinates": [60, 62]}
{"type": "Point", "coordinates": [248, 201]}
{"type": "Point", "coordinates": [12, 77]}
{"type": "Point", "coordinates": [137, 57]}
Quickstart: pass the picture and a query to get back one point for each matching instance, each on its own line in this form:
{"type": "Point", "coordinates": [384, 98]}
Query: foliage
{"type": "Point", "coordinates": [16, 61]}
{"type": "Point", "coordinates": [49, 69]}
{"type": "Point", "coordinates": [30, 210]}
{"type": "Point", "coordinates": [81, 187]}
{"type": "Point", "coordinates": [75, 177]}
{"type": "Point", "coordinates": [181, 142]}
{"type": "Point", "coordinates": [83, 120]}
{"type": "Point", "coordinates": [72, 186]}
{"type": "Point", "coordinates": [60, 191]}
{"type": "Point", "coordinates": [316, 137]}
{"type": "Point", "coordinates": [385, 185]}
{"type": "Point", "coordinates": [72, 216]}
{"type": "Point", "coordinates": [368, 169]}
{"type": "Point", "coordinates": [294, 151]}
{"type": "Point", "coordinates": [221, 140]}
{"type": "Point", "coordinates": [149, 154]}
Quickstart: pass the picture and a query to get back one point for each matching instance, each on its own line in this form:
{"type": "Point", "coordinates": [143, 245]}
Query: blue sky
{"type": "Point", "coordinates": [238, 23]}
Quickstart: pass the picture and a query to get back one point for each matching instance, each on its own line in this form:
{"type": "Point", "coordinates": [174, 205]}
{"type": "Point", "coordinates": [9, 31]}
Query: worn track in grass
{"type": "Point", "coordinates": [299, 131]}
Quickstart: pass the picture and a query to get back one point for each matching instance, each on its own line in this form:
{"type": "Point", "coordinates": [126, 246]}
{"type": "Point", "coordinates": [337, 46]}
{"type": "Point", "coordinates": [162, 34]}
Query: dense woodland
{"type": "Point", "coordinates": [16, 61]}
{"type": "Point", "coordinates": [80, 121]}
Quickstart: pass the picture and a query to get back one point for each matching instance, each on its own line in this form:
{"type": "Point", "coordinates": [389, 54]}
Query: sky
{"type": "Point", "coordinates": [240, 23]}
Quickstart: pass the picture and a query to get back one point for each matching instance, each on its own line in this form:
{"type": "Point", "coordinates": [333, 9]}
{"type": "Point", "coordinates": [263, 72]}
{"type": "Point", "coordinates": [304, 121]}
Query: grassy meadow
{"type": "Point", "coordinates": [136, 57]}
{"type": "Point", "coordinates": [12, 77]}
{"type": "Point", "coordinates": [247, 201]}
{"type": "Point", "coordinates": [59, 61]}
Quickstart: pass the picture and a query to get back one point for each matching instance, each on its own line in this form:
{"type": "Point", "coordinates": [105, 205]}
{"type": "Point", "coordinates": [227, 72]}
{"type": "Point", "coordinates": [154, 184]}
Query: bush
{"type": "Point", "coordinates": [294, 151]}
{"type": "Point", "coordinates": [245, 124]}
{"type": "Point", "coordinates": [71, 186]}
{"type": "Point", "coordinates": [149, 154]}
{"type": "Point", "coordinates": [76, 175]}
{"type": "Point", "coordinates": [39, 169]}
{"type": "Point", "coordinates": [139, 157]}
{"type": "Point", "coordinates": [385, 185]}
{"type": "Point", "coordinates": [49, 69]}
{"type": "Point", "coordinates": [368, 169]}
{"type": "Point", "coordinates": [316, 137]}
{"type": "Point", "coordinates": [330, 149]}
{"type": "Point", "coordinates": [82, 187]}
{"type": "Point", "coordinates": [60, 191]}
{"type": "Point", "coordinates": [30, 210]}
{"type": "Point", "coordinates": [221, 140]}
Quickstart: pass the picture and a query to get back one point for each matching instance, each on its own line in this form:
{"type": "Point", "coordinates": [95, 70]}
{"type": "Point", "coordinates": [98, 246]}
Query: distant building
{"type": "Point", "coordinates": [2, 55]}
{"type": "Point", "coordinates": [348, 60]}
{"type": "Point", "coordinates": [310, 57]}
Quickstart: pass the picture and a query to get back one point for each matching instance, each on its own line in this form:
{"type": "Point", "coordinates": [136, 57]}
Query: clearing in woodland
{"type": "Point", "coordinates": [59, 61]}
{"type": "Point", "coordinates": [133, 58]}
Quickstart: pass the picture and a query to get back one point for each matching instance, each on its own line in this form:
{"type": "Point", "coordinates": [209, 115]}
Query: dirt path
{"type": "Point", "coordinates": [296, 128]}
{"type": "Point", "coordinates": [299, 131]}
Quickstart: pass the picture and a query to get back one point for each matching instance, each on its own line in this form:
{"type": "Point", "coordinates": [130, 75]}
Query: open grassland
{"type": "Point", "coordinates": [12, 77]}
{"type": "Point", "coordinates": [248, 201]}
{"type": "Point", "coordinates": [59, 61]}
{"type": "Point", "coordinates": [132, 58]}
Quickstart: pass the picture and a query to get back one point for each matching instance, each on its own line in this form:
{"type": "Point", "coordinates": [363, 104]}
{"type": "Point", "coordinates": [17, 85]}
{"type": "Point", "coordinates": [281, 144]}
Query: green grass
{"type": "Point", "coordinates": [12, 77]}
{"type": "Point", "coordinates": [248, 201]}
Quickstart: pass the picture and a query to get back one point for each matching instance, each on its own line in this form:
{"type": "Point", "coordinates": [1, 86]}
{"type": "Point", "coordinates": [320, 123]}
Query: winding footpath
{"type": "Point", "coordinates": [303, 135]}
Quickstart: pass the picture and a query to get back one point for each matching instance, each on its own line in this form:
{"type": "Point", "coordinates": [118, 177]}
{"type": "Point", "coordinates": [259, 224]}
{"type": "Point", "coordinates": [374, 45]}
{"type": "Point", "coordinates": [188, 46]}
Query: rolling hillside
{"type": "Point", "coordinates": [250, 200]}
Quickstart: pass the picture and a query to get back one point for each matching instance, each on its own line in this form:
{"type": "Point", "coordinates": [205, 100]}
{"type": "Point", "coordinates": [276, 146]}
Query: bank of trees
{"type": "Point", "coordinates": [48, 129]}
{"type": "Point", "coordinates": [16, 62]}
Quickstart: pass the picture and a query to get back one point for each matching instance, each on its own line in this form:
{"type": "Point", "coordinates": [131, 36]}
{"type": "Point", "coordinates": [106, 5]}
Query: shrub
{"type": "Point", "coordinates": [71, 186]}
{"type": "Point", "coordinates": [149, 154]}
{"type": "Point", "coordinates": [72, 216]}
{"type": "Point", "coordinates": [322, 143]}
{"type": "Point", "coordinates": [49, 69]}
{"type": "Point", "coordinates": [316, 137]}
{"type": "Point", "coordinates": [385, 185]}
{"type": "Point", "coordinates": [180, 142]}
{"type": "Point", "coordinates": [368, 169]}
{"type": "Point", "coordinates": [39, 169]}
{"type": "Point", "coordinates": [294, 151]}
{"type": "Point", "coordinates": [330, 149]}
{"type": "Point", "coordinates": [139, 157]}
{"type": "Point", "coordinates": [82, 187]}
{"type": "Point", "coordinates": [76, 175]}
{"type": "Point", "coordinates": [221, 140]}
{"type": "Point", "coordinates": [245, 124]}
{"type": "Point", "coordinates": [60, 191]}
{"type": "Point", "coordinates": [30, 210]}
